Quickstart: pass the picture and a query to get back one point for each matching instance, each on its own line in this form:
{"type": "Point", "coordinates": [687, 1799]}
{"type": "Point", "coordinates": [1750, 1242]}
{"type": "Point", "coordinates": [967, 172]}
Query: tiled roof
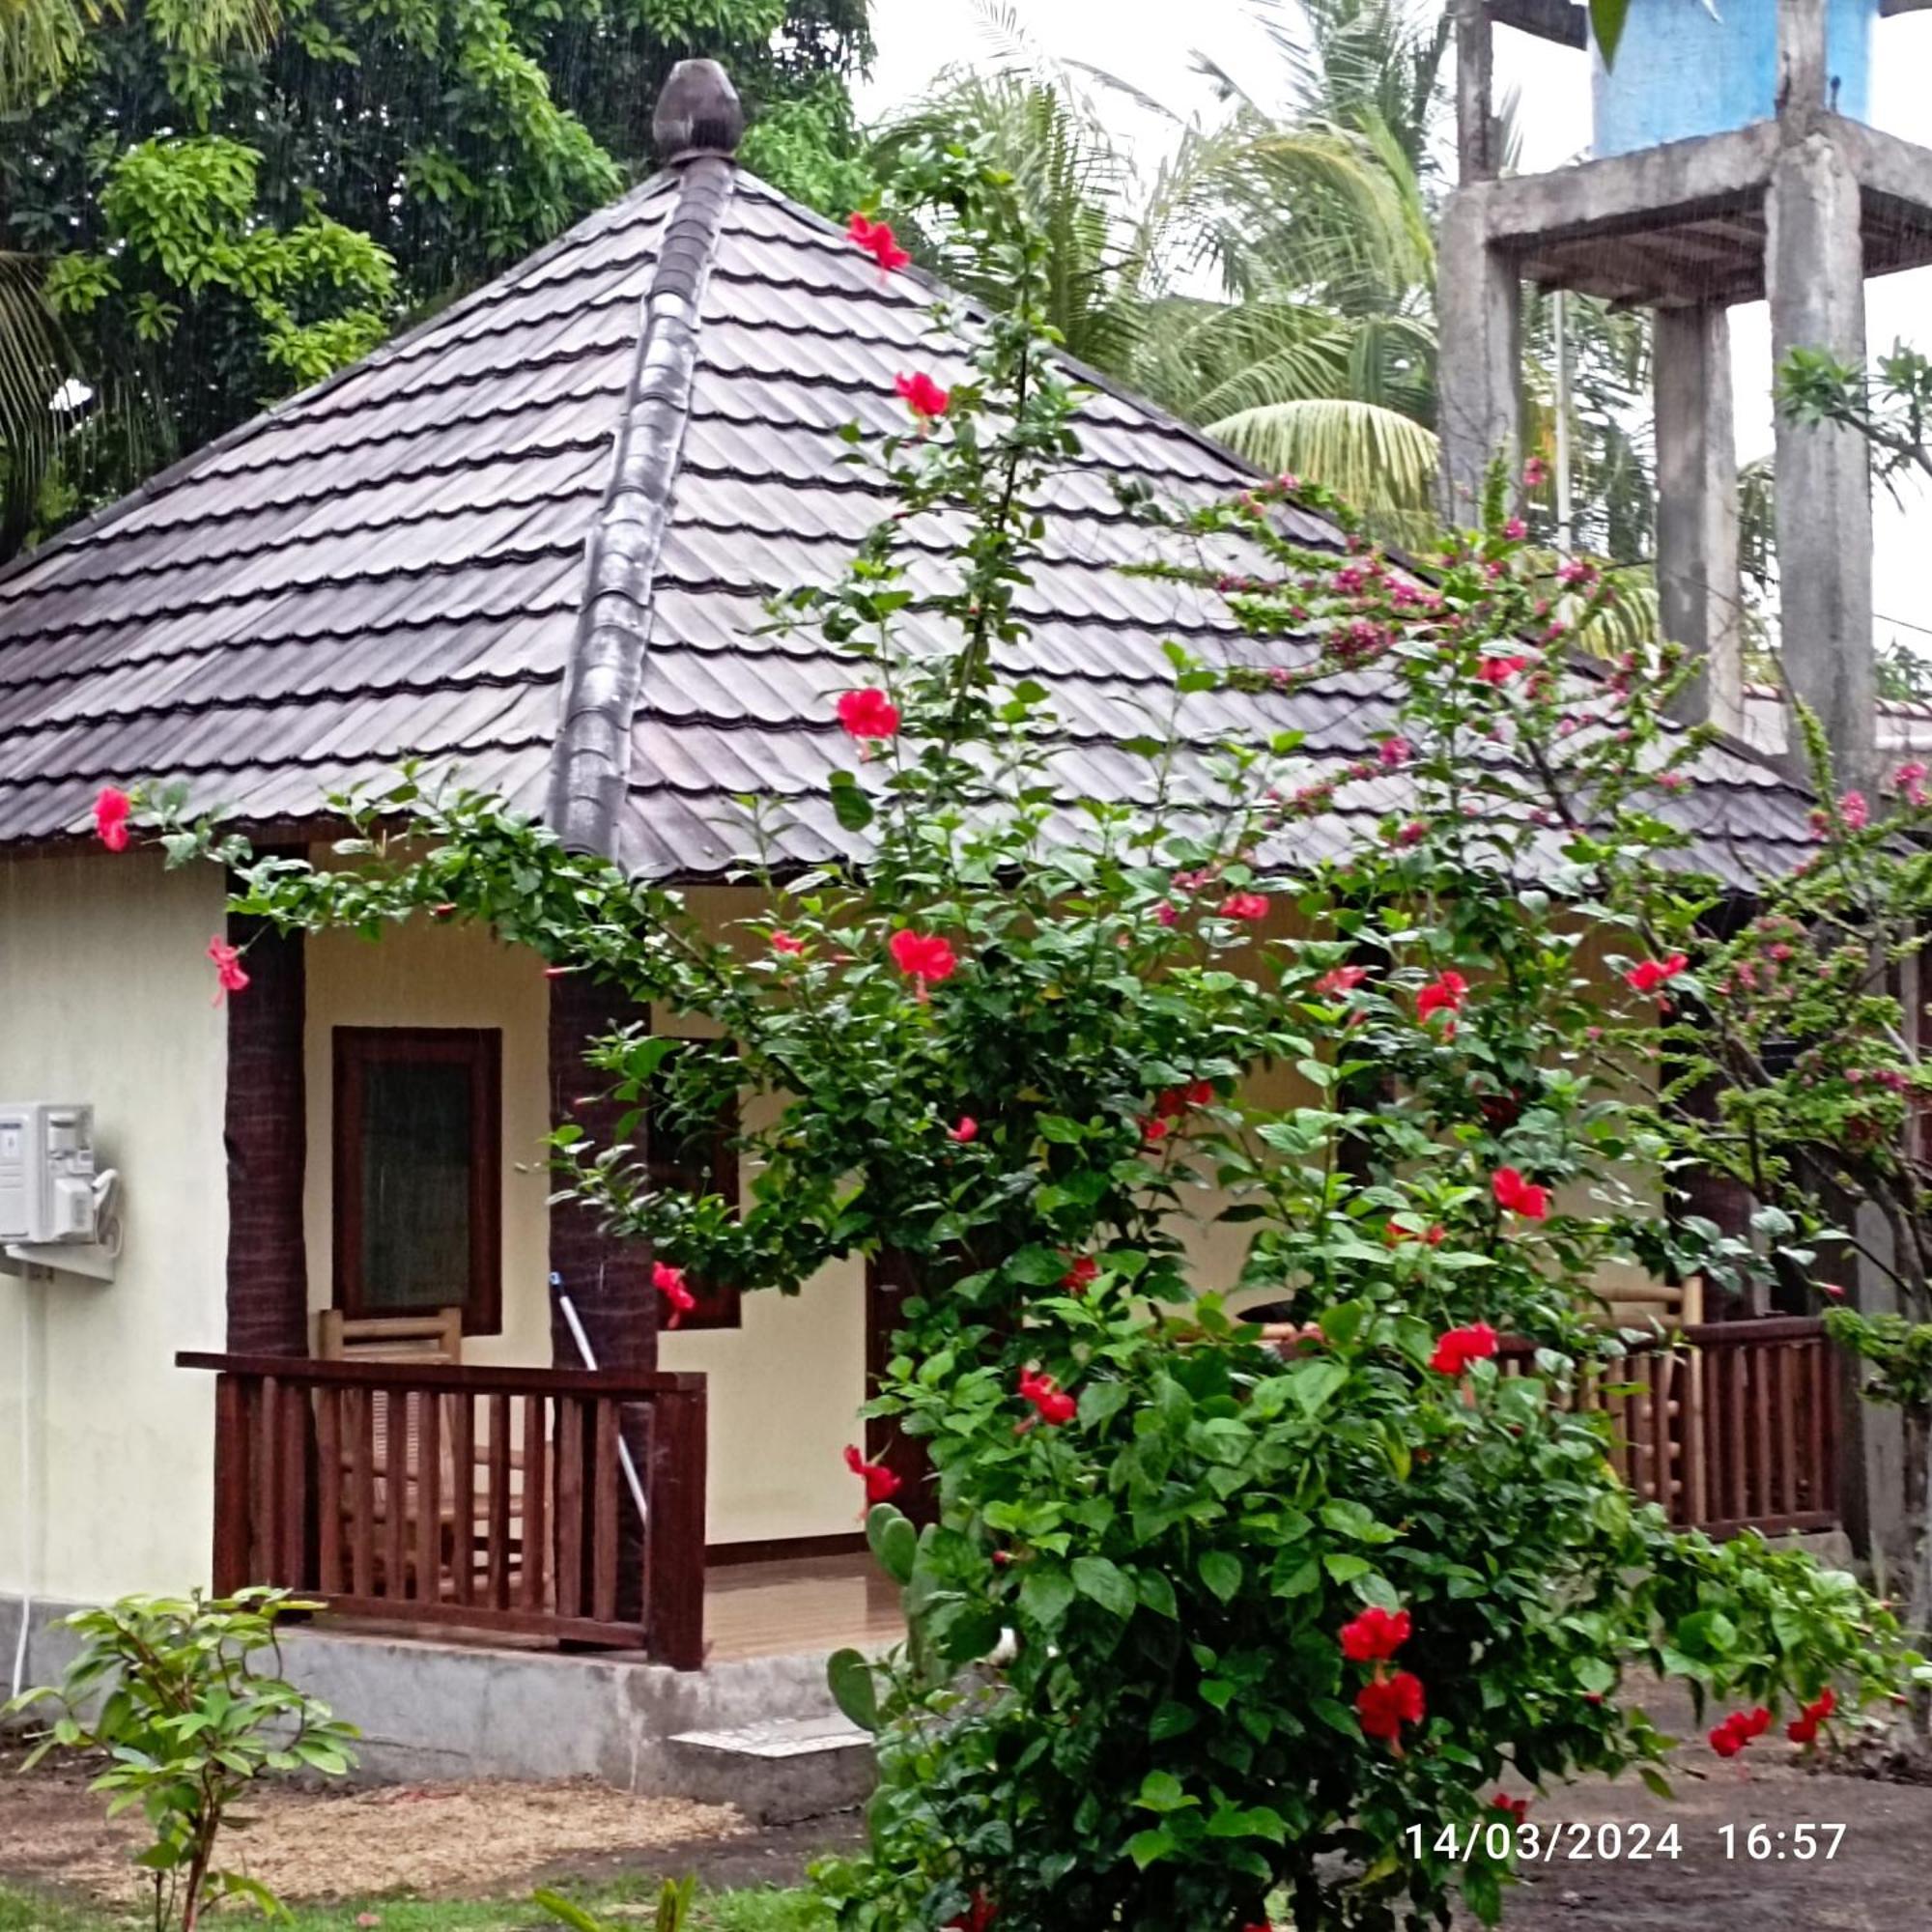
{"type": "Point", "coordinates": [390, 566]}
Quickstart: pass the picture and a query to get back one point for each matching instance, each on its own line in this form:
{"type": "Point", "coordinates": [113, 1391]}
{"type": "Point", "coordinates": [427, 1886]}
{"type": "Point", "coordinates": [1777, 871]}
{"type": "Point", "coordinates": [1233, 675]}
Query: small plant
{"type": "Point", "coordinates": [674, 1908]}
{"type": "Point", "coordinates": [169, 1688]}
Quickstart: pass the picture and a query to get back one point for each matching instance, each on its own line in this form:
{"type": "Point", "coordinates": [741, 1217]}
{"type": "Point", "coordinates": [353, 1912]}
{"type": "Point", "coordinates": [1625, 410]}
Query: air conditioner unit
{"type": "Point", "coordinates": [49, 1192]}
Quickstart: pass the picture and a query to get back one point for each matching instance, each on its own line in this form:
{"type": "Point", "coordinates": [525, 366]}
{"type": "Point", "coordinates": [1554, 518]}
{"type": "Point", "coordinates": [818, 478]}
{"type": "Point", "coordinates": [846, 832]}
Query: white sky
{"type": "Point", "coordinates": [1149, 43]}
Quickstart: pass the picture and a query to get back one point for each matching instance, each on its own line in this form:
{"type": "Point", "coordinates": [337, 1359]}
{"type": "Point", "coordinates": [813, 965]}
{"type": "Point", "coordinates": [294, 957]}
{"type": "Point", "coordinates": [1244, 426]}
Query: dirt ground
{"type": "Point", "coordinates": [494, 1840]}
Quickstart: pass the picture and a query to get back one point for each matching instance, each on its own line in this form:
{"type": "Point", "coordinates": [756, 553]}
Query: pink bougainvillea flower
{"type": "Point", "coordinates": [1375, 1635]}
{"type": "Point", "coordinates": [1650, 974]}
{"type": "Point", "coordinates": [670, 1282]}
{"type": "Point", "coordinates": [922, 396]}
{"type": "Point", "coordinates": [967, 1130]}
{"type": "Point", "coordinates": [228, 975]}
{"type": "Point", "coordinates": [1535, 474]}
{"type": "Point", "coordinates": [1051, 1403]}
{"type": "Point", "coordinates": [1164, 912]}
{"type": "Point", "coordinates": [1081, 1276]}
{"type": "Point", "coordinates": [1517, 1196]}
{"type": "Point", "coordinates": [1833, 1289]}
{"type": "Point", "coordinates": [1340, 980]}
{"type": "Point", "coordinates": [877, 239]}
{"type": "Point", "coordinates": [1444, 994]}
{"type": "Point", "coordinates": [111, 817]}
{"type": "Point", "coordinates": [923, 956]}
{"type": "Point", "coordinates": [1456, 1348]}
{"type": "Point", "coordinates": [1386, 1705]}
{"type": "Point", "coordinates": [1245, 905]}
{"type": "Point", "coordinates": [1515, 530]}
{"type": "Point", "coordinates": [881, 1484]}
{"type": "Point", "coordinates": [1910, 779]}
{"type": "Point", "coordinates": [1500, 670]}
{"type": "Point", "coordinates": [784, 942]}
{"type": "Point", "coordinates": [869, 713]}
{"type": "Point", "coordinates": [1395, 752]}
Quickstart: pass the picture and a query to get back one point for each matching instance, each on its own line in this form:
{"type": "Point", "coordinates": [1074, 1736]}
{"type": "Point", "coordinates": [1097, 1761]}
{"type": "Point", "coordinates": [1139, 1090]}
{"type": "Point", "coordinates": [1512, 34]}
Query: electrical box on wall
{"type": "Point", "coordinates": [56, 1206]}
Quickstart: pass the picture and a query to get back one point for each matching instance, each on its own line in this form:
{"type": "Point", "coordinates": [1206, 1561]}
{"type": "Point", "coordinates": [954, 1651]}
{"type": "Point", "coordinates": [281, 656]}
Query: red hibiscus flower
{"type": "Point", "coordinates": [1375, 1635]}
{"type": "Point", "coordinates": [1384, 1707]}
{"type": "Point", "coordinates": [1245, 905]}
{"type": "Point", "coordinates": [877, 239]}
{"type": "Point", "coordinates": [1740, 1728]}
{"type": "Point", "coordinates": [111, 817]}
{"type": "Point", "coordinates": [968, 1129]}
{"type": "Point", "coordinates": [784, 942]}
{"type": "Point", "coordinates": [229, 976]}
{"type": "Point", "coordinates": [1517, 1196]}
{"type": "Point", "coordinates": [1517, 1807]}
{"type": "Point", "coordinates": [922, 396]}
{"type": "Point", "coordinates": [1050, 1400]}
{"type": "Point", "coordinates": [1081, 1276]}
{"type": "Point", "coordinates": [1804, 1728]}
{"type": "Point", "coordinates": [1432, 1237]}
{"type": "Point", "coordinates": [1340, 980]}
{"type": "Point", "coordinates": [1650, 974]}
{"type": "Point", "coordinates": [869, 713]}
{"type": "Point", "coordinates": [976, 1917]}
{"type": "Point", "coordinates": [880, 1482]}
{"type": "Point", "coordinates": [669, 1283]}
{"type": "Point", "coordinates": [922, 956]}
{"type": "Point", "coordinates": [1500, 670]}
{"type": "Point", "coordinates": [1456, 1348]}
{"type": "Point", "coordinates": [1444, 994]}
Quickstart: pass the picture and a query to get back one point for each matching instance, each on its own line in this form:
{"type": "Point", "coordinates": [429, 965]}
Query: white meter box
{"type": "Point", "coordinates": [48, 1192]}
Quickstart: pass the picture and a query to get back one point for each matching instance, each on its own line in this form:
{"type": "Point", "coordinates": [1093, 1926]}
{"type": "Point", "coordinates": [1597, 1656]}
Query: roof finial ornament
{"type": "Point", "coordinates": [698, 113]}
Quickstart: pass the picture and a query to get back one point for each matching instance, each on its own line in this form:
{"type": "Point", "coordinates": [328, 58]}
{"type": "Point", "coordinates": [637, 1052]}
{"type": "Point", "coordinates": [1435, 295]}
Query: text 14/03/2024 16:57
{"type": "Point", "coordinates": [1505, 1837]}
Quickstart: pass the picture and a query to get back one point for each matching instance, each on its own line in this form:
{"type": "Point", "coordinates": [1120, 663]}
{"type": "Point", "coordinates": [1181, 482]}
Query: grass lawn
{"type": "Point", "coordinates": [763, 1910]}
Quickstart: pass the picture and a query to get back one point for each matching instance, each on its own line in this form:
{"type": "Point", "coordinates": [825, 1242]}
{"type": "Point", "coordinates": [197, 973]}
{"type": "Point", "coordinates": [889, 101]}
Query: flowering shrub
{"type": "Point", "coordinates": [1206, 1617]}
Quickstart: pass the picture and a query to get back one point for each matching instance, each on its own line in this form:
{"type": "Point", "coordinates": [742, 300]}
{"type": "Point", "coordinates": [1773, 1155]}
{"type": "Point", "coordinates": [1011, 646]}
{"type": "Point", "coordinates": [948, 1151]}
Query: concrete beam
{"type": "Point", "coordinates": [1816, 273]}
{"type": "Point", "coordinates": [1636, 191]}
{"type": "Point", "coordinates": [1701, 584]}
{"type": "Point", "coordinates": [1479, 364]}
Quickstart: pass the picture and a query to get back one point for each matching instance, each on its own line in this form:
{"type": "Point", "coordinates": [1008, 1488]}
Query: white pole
{"type": "Point", "coordinates": [583, 1342]}
{"type": "Point", "coordinates": [28, 1276]}
{"type": "Point", "coordinates": [1566, 521]}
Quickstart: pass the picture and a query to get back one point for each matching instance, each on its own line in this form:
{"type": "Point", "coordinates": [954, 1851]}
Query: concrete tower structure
{"type": "Point", "coordinates": [1796, 202]}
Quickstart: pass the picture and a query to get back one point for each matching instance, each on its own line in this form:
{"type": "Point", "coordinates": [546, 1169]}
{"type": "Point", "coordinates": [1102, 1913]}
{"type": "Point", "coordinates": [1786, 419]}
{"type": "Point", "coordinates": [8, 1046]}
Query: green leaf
{"type": "Point", "coordinates": [854, 1687]}
{"type": "Point", "coordinates": [1607, 22]}
{"type": "Point", "coordinates": [1221, 1570]}
{"type": "Point", "coordinates": [1171, 1720]}
{"type": "Point", "coordinates": [1106, 1583]}
{"type": "Point", "coordinates": [1313, 1383]}
{"type": "Point", "coordinates": [850, 805]}
{"type": "Point", "coordinates": [1157, 1593]}
{"type": "Point", "coordinates": [561, 1909]}
{"type": "Point", "coordinates": [1161, 1791]}
{"type": "Point", "coordinates": [1046, 1594]}
{"type": "Point", "coordinates": [894, 1541]}
{"type": "Point", "coordinates": [1146, 1848]}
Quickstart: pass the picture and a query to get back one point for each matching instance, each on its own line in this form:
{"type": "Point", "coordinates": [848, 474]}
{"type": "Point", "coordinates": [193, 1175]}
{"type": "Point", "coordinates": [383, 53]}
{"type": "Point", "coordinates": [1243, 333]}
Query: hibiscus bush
{"type": "Point", "coordinates": [1218, 1615]}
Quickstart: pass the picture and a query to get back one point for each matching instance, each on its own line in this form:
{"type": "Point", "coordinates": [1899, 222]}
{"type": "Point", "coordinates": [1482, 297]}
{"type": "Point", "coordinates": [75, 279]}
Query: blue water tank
{"type": "Point", "coordinates": [1699, 66]}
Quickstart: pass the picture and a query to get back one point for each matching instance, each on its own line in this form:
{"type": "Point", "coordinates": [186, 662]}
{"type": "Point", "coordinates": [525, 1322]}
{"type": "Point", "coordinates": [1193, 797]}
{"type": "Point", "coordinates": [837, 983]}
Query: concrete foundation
{"type": "Point", "coordinates": [438, 1710]}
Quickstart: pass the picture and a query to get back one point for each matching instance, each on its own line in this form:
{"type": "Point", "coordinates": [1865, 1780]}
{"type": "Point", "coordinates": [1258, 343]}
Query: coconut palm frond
{"type": "Point", "coordinates": [40, 42]}
{"type": "Point", "coordinates": [35, 360]}
{"type": "Point", "coordinates": [1381, 462]}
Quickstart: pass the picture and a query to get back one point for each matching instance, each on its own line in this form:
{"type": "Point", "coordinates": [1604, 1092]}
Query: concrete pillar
{"type": "Point", "coordinates": [1475, 86]}
{"type": "Point", "coordinates": [1815, 269]}
{"type": "Point", "coordinates": [1803, 64]}
{"type": "Point", "coordinates": [1700, 586]}
{"type": "Point", "coordinates": [1479, 363]}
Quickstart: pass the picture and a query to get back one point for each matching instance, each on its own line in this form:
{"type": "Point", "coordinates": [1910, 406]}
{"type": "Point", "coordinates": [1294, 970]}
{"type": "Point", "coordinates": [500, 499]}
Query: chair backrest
{"type": "Point", "coordinates": [436, 1335]}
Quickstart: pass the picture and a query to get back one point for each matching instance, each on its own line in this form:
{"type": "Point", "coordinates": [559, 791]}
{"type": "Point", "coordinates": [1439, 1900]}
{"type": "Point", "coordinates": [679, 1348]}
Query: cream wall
{"type": "Point", "coordinates": [783, 1389]}
{"type": "Point", "coordinates": [105, 997]}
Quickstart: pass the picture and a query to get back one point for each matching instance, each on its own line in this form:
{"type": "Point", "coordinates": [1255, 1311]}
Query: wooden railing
{"type": "Point", "coordinates": [1728, 1425]}
{"type": "Point", "coordinates": [424, 1493]}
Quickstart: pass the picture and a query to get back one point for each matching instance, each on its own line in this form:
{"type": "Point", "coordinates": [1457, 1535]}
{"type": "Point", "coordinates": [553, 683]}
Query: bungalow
{"type": "Point", "coordinates": [324, 1339]}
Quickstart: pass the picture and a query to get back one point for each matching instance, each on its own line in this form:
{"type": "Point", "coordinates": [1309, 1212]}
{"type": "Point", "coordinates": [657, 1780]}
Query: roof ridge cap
{"type": "Point", "coordinates": [590, 763]}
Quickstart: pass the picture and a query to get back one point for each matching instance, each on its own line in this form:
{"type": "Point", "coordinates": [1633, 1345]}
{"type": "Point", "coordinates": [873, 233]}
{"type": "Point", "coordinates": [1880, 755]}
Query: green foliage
{"type": "Point", "coordinates": [1390, 1093]}
{"type": "Point", "coordinates": [1890, 407]}
{"type": "Point", "coordinates": [673, 1913]}
{"type": "Point", "coordinates": [226, 199]}
{"type": "Point", "coordinates": [173, 1691]}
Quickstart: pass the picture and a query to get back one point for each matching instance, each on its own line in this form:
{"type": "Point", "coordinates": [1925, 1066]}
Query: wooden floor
{"type": "Point", "coordinates": [796, 1606]}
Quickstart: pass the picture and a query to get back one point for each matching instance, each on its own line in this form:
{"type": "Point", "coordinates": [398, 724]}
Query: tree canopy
{"type": "Point", "coordinates": [205, 203]}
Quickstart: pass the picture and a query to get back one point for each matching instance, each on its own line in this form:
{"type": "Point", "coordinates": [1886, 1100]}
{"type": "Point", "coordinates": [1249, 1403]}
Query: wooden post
{"type": "Point", "coordinates": [231, 1487]}
{"type": "Point", "coordinates": [674, 1561]}
{"type": "Point", "coordinates": [609, 1281]}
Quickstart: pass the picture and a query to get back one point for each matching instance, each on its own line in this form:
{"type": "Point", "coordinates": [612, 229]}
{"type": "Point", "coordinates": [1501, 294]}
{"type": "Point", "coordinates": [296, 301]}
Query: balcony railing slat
{"type": "Point", "coordinates": [425, 1492]}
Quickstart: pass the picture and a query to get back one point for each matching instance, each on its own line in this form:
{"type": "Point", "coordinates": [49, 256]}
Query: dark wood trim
{"type": "Point", "coordinates": [311, 1372]}
{"type": "Point", "coordinates": [888, 1281]}
{"type": "Point", "coordinates": [480, 1051]}
{"type": "Point", "coordinates": [714, 1170]}
{"type": "Point", "coordinates": [785, 1549]}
